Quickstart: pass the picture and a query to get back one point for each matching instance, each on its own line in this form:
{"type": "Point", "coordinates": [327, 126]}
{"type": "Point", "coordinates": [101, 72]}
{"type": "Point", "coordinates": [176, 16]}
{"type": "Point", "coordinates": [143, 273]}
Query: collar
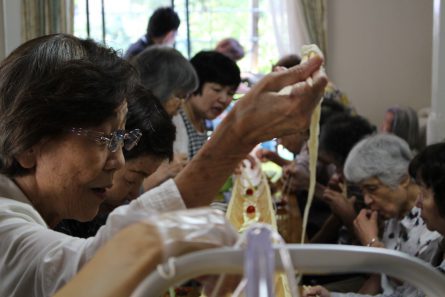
{"type": "Point", "coordinates": [9, 189]}
{"type": "Point", "coordinates": [412, 218]}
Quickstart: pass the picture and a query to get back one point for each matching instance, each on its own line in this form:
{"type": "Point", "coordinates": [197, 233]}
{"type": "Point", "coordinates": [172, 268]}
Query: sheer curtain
{"type": "Point", "coordinates": [298, 22]}
{"type": "Point", "coordinates": [289, 26]}
{"type": "Point", "coordinates": [42, 17]}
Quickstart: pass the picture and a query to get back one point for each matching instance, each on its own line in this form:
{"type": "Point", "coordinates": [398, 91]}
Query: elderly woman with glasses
{"type": "Point", "coordinates": [63, 113]}
{"type": "Point", "coordinates": [379, 165]}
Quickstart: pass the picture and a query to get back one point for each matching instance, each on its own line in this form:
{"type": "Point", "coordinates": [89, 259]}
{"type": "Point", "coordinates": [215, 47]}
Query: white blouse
{"type": "Point", "coordinates": [37, 261]}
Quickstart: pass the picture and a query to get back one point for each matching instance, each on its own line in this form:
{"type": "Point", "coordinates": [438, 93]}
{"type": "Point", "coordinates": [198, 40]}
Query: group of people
{"type": "Point", "coordinates": [104, 160]}
{"type": "Point", "coordinates": [81, 131]}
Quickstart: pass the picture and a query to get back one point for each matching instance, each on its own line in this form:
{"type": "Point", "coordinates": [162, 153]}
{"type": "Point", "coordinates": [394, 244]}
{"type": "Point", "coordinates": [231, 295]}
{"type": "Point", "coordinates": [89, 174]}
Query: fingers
{"type": "Point", "coordinates": [279, 69]}
{"type": "Point", "coordinates": [332, 195]}
{"type": "Point", "coordinates": [291, 76]}
{"type": "Point", "coordinates": [363, 213]}
{"type": "Point", "coordinates": [374, 216]}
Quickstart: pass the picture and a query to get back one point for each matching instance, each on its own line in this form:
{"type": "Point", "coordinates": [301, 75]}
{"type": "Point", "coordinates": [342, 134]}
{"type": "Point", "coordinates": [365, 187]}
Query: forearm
{"type": "Point", "coordinates": [260, 115]}
{"type": "Point", "coordinates": [154, 180]}
{"type": "Point", "coordinates": [109, 275]}
{"type": "Point", "coordinates": [201, 179]}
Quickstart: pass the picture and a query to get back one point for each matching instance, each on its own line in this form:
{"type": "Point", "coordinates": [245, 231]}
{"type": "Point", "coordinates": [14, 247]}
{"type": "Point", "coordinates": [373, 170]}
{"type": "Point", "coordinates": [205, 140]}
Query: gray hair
{"type": "Point", "coordinates": [165, 72]}
{"type": "Point", "coordinates": [384, 156]}
{"type": "Point", "coordinates": [406, 125]}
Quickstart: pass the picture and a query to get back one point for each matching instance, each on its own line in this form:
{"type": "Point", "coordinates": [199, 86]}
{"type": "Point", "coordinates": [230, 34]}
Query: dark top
{"type": "Point", "coordinates": [137, 47]}
{"type": "Point", "coordinates": [82, 229]}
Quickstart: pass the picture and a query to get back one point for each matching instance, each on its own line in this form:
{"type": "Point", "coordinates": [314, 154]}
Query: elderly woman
{"type": "Point", "coordinates": [171, 78]}
{"type": "Point", "coordinates": [379, 164]}
{"type": "Point", "coordinates": [155, 145]}
{"type": "Point", "coordinates": [62, 113]}
{"type": "Point", "coordinates": [403, 122]}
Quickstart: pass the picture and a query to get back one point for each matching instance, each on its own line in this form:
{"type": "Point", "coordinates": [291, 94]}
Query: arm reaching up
{"type": "Point", "coordinates": [260, 115]}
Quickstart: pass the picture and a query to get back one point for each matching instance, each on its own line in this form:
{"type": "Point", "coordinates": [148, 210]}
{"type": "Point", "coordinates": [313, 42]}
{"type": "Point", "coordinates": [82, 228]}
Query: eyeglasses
{"type": "Point", "coordinates": [113, 140]}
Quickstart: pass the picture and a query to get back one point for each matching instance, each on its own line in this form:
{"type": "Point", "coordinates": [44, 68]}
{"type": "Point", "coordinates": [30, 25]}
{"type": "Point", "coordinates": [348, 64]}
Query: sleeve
{"type": "Point", "coordinates": [336, 294]}
{"type": "Point", "coordinates": [37, 261]}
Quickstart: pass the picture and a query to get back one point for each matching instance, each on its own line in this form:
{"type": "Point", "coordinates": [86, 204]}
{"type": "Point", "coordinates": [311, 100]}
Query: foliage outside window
{"type": "Point", "coordinates": [209, 21]}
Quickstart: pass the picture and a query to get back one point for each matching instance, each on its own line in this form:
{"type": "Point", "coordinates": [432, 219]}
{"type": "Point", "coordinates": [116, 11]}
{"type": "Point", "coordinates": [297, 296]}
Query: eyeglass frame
{"type": "Point", "coordinates": [113, 140]}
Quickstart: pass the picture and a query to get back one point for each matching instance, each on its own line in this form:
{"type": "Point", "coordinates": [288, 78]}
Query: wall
{"type": "Point", "coordinates": [10, 26]}
{"type": "Point", "coordinates": [380, 53]}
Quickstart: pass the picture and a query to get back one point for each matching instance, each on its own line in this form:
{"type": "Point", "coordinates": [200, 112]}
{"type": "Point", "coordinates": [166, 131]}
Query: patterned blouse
{"type": "Point", "coordinates": [408, 235]}
{"type": "Point", "coordinates": [195, 139]}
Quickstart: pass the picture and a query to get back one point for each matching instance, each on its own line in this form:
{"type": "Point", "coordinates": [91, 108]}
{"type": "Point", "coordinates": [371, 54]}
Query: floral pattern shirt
{"type": "Point", "coordinates": [408, 235]}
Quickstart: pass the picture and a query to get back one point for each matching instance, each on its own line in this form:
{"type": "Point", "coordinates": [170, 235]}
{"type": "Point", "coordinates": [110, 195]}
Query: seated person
{"type": "Point", "coordinates": [172, 79]}
{"type": "Point", "coordinates": [63, 133]}
{"type": "Point", "coordinates": [155, 145]}
{"type": "Point", "coordinates": [332, 154]}
{"type": "Point", "coordinates": [379, 164]}
{"type": "Point", "coordinates": [428, 170]}
{"type": "Point", "coordinates": [403, 122]}
{"type": "Point", "coordinates": [168, 75]}
{"type": "Point", "coordinates": [161, 30]}
{"type": "Point", "coordinates": [218, 78]}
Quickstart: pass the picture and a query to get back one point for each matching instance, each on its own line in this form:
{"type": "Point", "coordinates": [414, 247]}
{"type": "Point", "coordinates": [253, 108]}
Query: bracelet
{"type": "Point", "coordinates": [373, 240]}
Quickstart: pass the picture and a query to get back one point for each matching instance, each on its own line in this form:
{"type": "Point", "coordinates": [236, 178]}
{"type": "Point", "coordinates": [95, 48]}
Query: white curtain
{"type": "Point", "coordinates": [289, 26]}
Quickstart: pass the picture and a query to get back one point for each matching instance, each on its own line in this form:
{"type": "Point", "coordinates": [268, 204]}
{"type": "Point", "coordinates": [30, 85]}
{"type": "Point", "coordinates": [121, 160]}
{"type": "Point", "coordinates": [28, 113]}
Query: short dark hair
{"type": "Point", "coordinates": [341, 132]}
{"type": "Point", "coordinates": [162, 21]}
{"type": "Point", "coordinates": [53, 83]}
{"type": "Point", "coordinates": [215, 67]}
{"type": "Point", "coordinates": [428, 168]}
{"type": "Point", "coordinates": [164, 71]}
{"type": "Point", "coordinates": [146, 113]}
{"type": "Point", "coordinates": [288, 61]}
{"type": "Point", "coordinates": [330, 108]}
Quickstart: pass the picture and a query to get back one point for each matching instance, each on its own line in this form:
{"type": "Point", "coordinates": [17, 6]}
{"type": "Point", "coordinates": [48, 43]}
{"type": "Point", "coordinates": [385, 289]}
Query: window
{"type": "Point", "coordinates": [119, 23]}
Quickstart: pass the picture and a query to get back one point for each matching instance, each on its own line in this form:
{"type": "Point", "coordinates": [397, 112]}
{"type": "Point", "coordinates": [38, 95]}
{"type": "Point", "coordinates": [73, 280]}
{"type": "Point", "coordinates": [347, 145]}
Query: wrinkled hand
{"type": "Point", "coordinates": [315, 291]}
{"type": "Point", "coordinates": [366, 226]}
{"type": "Point", "coordinates": [263, 114]}
{"type": "Point", "coordinates": [341, 206]}
{"type": "Point", "coordinates": [193, 229]}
